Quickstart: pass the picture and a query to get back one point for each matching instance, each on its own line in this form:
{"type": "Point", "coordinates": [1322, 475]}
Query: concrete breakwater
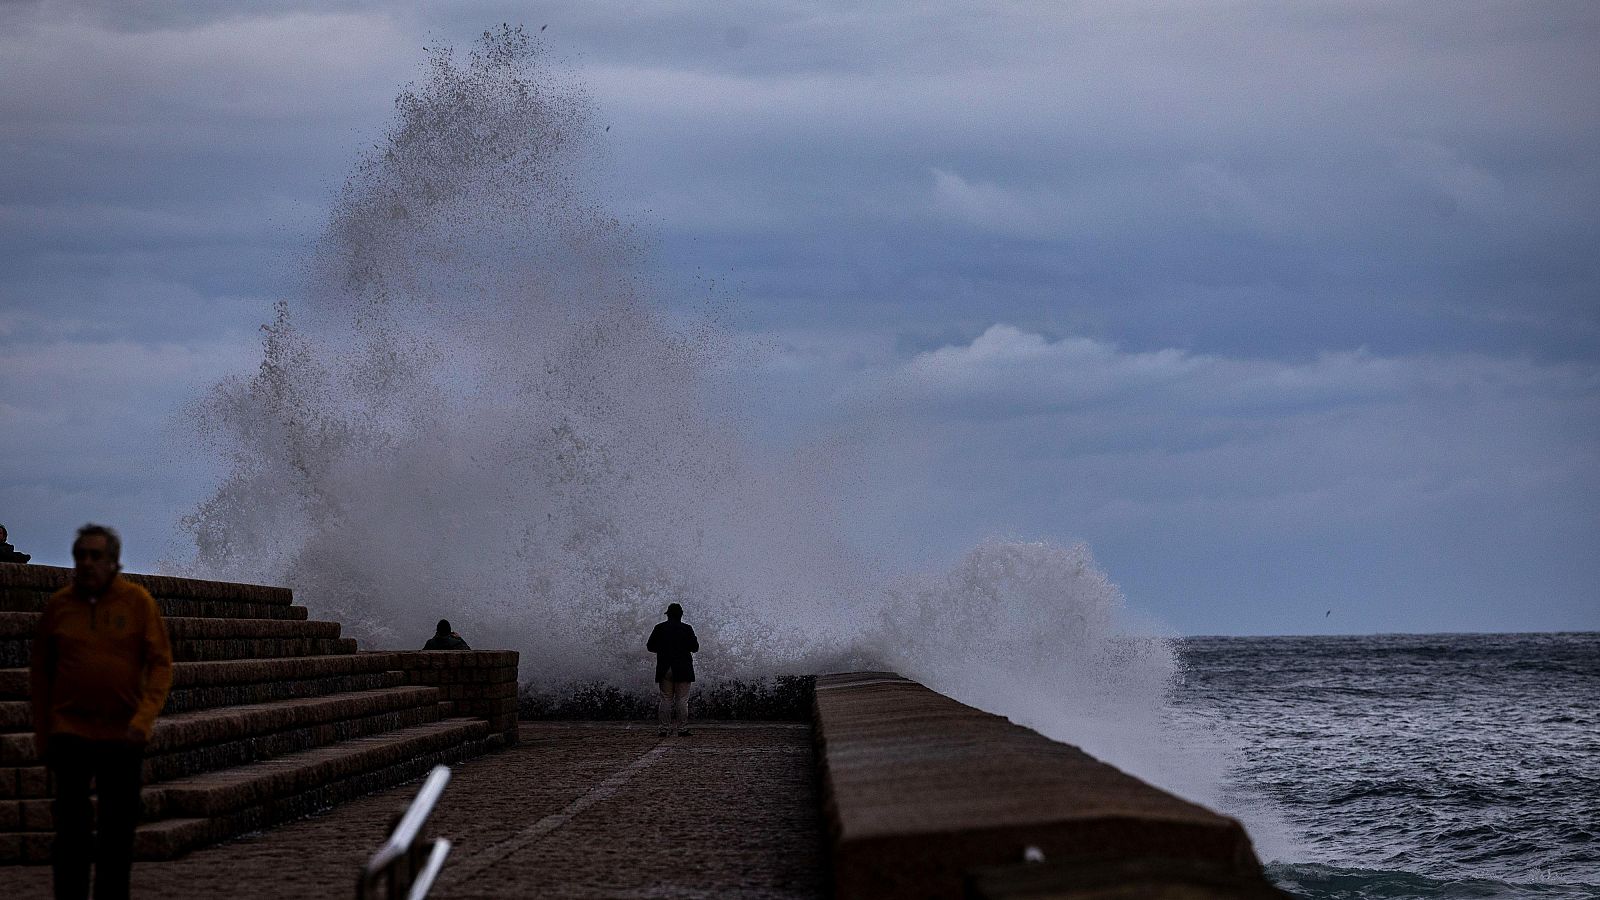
{"type": "Point", "coordinates": [928, 797]}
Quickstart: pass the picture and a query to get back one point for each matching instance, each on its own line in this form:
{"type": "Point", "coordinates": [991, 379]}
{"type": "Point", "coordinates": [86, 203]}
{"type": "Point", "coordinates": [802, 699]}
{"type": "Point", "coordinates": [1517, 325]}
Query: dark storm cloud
{"type": "Point", "coordinates": [173, 170]}
{"type": "Point", "coordinates": [1271, 298]}
{"type": "Point", "coordinates": [1411, 178]}
{"type": "Point", "coordinates": [1403, 177]}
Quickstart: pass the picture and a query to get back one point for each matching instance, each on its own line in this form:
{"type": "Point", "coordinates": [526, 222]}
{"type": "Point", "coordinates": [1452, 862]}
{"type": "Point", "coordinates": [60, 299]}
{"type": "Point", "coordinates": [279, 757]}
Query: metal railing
{"type": "Point", "coordinates": [403, 868]}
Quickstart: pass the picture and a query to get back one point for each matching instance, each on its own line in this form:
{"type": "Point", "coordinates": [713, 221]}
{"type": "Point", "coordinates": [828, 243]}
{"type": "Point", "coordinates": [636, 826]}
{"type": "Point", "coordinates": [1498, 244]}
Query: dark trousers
{"type": "Point", "coordinates": [113, 766]}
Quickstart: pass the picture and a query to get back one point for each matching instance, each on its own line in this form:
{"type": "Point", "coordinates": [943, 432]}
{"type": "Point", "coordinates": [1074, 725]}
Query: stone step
{"type": "Point", "coordinates": [35, 813]}
{"type": "Point", "coordinates": [28, 782]}
{"type": "Point", "coordinates": [32, 814]}
{"type": "Point", "coordinates": [211, 738]}
{"type": "Point", "coordinates": [14, 653]}
{"type": "Point", "coordinates": [252, 797]}
{"type": "Point", "coordinates": [315, 725]}
{"type": "Point", "coordinates": [292, 789]}
{"type": "Point", "coordinates": [16, 715]}
{"type": "Point", "coordinates": [213, 794]}
{"type": "Point", "coordinates": [201, 638]}
{"type": "Point", "coordinates": [20, 626]}
{"type": "Point", "coordinates": [27, 579]}
{"type": "Point", "coordinates": [399, 712]}
{"type": "Point", "coordinates": [27, 601]}
{"type": "Point", "coordinates": [25, 847]}
{"type": "Point", "coordinates": [192, 699]}
{"type": "Point", "coordinates": [187, 675]}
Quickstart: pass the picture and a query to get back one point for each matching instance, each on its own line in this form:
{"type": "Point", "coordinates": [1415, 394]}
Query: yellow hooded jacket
{"type": "Point", "coordinates": [99, 668]}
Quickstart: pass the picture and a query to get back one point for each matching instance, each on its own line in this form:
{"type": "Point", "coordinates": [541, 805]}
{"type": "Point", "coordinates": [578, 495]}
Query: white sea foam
{"type": "Point", "coordinates": [477, 412]}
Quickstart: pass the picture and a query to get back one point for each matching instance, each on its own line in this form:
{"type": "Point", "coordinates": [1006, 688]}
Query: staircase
{"type": "Point", "coordinates": [271, 716]}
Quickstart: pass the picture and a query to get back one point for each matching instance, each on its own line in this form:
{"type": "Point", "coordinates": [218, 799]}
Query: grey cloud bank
{"type": "Point", "coordinates": [1391, 489]}
{"type": "Point", "coordinates": [1280, 307]}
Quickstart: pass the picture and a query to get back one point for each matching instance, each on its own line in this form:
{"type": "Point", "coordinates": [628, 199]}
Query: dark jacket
{"type": "Point", "coordinates": [451, 641]}
{"type": "Point", "coordinates": [672, 642]}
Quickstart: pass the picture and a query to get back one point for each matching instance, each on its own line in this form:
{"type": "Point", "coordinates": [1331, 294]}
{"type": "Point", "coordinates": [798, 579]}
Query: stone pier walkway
{"type": "Point", "coordinates": [582, 809]}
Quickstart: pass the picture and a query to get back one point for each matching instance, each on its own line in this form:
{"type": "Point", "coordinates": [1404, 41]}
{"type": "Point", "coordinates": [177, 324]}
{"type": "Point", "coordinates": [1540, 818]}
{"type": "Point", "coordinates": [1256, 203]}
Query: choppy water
{"type": "Point", "coordinates": [1457, 765]}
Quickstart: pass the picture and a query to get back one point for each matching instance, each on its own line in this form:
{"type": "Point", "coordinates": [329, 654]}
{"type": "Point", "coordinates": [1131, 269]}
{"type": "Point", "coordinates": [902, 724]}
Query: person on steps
{"type": "Point", "coordinates": [674, 643]}
{"type": "Point", "coordinates": [98, 676]}
{"type": "Point", "coordinates": [445, 639]}
{"type": "Point", "coordinates": [9, 553]}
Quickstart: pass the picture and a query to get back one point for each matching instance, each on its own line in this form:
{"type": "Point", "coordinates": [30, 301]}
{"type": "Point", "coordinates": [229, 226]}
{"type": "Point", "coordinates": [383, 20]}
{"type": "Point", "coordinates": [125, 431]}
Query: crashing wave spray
{"type": "Point", "coordinates": [477, 413]}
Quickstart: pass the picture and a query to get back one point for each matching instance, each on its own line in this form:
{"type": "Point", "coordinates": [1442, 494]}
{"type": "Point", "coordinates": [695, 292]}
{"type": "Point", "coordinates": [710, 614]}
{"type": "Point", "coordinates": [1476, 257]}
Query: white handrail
{"type": "Point", "coordinates": [430, 870]}
{"type": "Point", "coordinates": [394, 858]}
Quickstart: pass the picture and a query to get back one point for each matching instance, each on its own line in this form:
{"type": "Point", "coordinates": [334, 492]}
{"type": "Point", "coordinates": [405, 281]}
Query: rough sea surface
{"type": "Point", "coordinates": [1445, 765]}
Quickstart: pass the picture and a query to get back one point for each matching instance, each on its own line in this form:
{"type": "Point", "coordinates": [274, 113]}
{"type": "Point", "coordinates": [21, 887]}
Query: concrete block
{"type": "Point", "coordinates": [10, 849]}
{"type": "Point", "coordinates": [34, 781]}
{"type": "Point", "coordinates": [36, 815]}
{"type": "Point", "coordinates": [17, 750]}
{"type": "Point", "coordinates": [17, 624]}
{"type": "Point", "coordinates": [16, 715]}
{"type": "Point", "coordinates": [14, 683]}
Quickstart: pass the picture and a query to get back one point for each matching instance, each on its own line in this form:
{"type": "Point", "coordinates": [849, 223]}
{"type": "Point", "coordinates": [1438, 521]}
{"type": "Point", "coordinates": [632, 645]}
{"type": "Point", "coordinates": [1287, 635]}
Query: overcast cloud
{"type": "Point", "coordinates": [1281, 307]}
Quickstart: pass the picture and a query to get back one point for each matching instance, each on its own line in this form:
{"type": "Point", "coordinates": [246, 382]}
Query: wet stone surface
{"type": "Point", "coordinates": [576, 809]}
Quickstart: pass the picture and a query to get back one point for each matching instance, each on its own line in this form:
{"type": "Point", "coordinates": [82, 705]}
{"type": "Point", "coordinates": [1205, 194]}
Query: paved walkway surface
{"type": "Point", "coordinates": [577, 809]}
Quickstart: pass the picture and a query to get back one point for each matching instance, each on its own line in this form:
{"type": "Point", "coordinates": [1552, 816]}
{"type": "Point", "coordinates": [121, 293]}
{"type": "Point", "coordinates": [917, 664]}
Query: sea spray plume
{"type": "Point", "coordinates": [475, 411]}
{"type": "Point", "coordinates": [1032, 630]}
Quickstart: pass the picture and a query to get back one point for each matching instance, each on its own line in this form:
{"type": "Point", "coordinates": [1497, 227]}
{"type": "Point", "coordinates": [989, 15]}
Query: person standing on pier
{"type": "Point", "coordinates": [100, 669]}
{"type": "Point", "coordinates": [674, 644]}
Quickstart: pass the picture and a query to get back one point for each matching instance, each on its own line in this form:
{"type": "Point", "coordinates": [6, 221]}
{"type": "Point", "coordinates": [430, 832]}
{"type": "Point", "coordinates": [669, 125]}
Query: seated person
{"type": "Point", "coordinates": [445, 639]}
{"type": "Point", "coordinates": [9, 553]}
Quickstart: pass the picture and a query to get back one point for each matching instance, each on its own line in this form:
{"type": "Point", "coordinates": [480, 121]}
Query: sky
{"type": "Point", "coordinates": [1290, 311]}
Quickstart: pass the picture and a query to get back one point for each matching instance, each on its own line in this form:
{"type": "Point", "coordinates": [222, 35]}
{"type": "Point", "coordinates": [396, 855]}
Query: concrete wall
{"type": "Point", "coordinates": [480, 683]}
{"type": "Point", "coordinates": [928, 797]}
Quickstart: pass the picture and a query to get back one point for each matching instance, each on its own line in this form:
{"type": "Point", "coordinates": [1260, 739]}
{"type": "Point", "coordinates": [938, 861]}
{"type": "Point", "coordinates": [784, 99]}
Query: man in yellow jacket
{"type": "Point", "coordinates": [101, 667]}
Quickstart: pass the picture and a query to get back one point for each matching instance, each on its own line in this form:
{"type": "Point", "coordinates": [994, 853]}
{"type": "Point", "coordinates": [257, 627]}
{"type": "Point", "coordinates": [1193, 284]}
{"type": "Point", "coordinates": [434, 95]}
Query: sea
{"type": "Point", "coordinates": [1412, 765]}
